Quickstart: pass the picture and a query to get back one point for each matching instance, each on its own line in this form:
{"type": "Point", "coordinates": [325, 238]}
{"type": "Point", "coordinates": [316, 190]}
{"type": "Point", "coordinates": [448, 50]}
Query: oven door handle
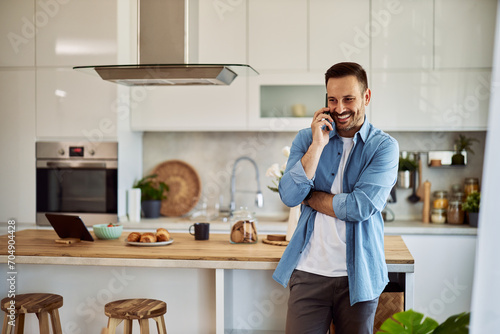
{"type": "Point", "coordinates": [96, 165]}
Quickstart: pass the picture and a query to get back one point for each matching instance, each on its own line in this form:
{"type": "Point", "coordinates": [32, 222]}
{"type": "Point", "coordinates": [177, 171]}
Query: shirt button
{"type": "Point", "coordinates": [338, 153]}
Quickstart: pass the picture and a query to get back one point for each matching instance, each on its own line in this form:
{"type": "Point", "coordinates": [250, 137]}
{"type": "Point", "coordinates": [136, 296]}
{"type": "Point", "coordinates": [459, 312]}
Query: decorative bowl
{"type": "Point", "coordinates": [103, 231]}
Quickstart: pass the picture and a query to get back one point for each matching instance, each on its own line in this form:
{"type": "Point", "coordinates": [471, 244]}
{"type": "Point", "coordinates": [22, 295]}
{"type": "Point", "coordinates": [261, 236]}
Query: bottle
{"type": "Point", "coordinates": [471, 185]}
{"type": "Point", "coordinates": [455, 213]}
{"type": "Point", "coordinates": [440, 199]}
{"type": "Point", "coordinates": [243, 227]}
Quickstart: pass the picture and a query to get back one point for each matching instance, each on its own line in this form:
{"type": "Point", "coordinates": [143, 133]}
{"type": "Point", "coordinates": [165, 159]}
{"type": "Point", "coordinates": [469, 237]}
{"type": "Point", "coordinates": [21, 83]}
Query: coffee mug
{"type": "Point", "coordinates": [201, 231]}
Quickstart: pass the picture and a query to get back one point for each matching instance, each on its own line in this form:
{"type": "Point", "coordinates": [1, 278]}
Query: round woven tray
{"type": "Point", "coordinates": [184, 187]}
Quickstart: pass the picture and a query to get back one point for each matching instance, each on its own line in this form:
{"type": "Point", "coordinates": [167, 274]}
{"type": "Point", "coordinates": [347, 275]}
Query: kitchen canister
{"type": "Point", "coordinates": [243, 227]}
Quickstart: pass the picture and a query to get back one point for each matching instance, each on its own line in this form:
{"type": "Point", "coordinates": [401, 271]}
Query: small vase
{"type": "Point", "coordinates": [458, 159]}
{"type": "Point", "coordinates": [151, 209]}
{"type": "Point", "coordinates": [473, 218]}
{"type": "Point", "coordinates": [293, 219]}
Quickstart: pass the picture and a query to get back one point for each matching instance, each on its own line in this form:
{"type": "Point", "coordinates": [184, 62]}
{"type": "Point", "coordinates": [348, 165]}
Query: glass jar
{"type": "Point", "coordinates": [458, 196]}
{"type": "Point", "coordinates": [243, 227]}
{"type": "Point", "coordinates": [455, 213]}
{"type": "Point", "coordinates": [471, 185]}
{"type": "Point", "coordinates": [438, 216]}
{"type": "Point", "coordinates": [440, 199]}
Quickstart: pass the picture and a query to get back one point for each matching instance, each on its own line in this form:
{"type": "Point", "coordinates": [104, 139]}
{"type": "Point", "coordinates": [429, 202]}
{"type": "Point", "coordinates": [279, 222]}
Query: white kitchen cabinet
{"type": "Point", "coordinates": [277, 34]}
{"type": "Point", "coordinates": [72, 33]}
{"type": "Point", "coordinates": [72, 104]}
{"type": "Point", "coordinates": [431, 100]}
{"type": "Point", "coordinates": [17, 138]}
{"type": "Point", "coordinates": [17, 28]}
{"type": "Point", "coordinates": [192, 108]}
{"type": "Point", "coordinates": [464, 33]}
{"type": "Point", "coordinates": [402, 34]}
{"type": "Point", "coordinates": [285, 90]}
{"type": "Point", "coordinates": [338, 31]}
{"type": "Point", "coordinates": [444, 271]}
{"type": "Point", "coordinates": [222, 31]}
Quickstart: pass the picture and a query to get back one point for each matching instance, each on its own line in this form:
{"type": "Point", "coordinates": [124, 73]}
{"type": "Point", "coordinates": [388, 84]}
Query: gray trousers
{"type": "Point", "coordinates": [316, 300]}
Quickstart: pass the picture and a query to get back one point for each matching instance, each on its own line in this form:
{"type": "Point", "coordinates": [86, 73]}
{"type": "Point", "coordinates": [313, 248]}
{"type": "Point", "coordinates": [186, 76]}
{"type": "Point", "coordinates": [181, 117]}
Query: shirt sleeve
{"type": "Point", "coordinates": [374, 184]}
{"type": "Point", "coordinates": [294, 185]}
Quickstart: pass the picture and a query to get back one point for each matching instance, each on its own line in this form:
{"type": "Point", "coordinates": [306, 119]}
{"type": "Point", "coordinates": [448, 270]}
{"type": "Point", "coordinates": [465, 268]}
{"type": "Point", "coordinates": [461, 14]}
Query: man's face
{"type": "Point", "coordinates": [347, 104]}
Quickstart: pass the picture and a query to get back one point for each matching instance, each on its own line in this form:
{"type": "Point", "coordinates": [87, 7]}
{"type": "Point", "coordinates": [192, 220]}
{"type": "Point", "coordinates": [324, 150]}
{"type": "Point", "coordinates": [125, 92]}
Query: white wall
{"type": "Point", "coordinates": [486, 293]}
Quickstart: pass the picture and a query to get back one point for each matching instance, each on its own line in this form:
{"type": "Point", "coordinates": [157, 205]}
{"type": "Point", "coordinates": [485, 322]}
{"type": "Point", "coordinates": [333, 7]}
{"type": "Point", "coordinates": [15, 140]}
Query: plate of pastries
{"type": "Point", "coordinates": [150, 239]}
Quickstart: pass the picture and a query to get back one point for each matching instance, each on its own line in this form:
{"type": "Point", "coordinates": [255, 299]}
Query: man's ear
{"type": "Point", "coordinates": [368, 96]}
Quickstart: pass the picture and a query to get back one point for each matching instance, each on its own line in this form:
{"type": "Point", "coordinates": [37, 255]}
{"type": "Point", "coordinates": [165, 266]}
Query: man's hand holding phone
{"type": "Point", "coordinates": [321, 126]}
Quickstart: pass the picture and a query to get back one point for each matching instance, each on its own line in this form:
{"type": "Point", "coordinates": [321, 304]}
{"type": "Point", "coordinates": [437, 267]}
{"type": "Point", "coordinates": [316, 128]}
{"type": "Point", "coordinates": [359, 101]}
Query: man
{"type": "Point", "coordinates": [342, 175]}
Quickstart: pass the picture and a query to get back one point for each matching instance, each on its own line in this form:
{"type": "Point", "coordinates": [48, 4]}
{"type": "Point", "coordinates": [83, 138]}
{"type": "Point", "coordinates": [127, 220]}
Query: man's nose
{"type": "Point", "coordinates": [339, 107]}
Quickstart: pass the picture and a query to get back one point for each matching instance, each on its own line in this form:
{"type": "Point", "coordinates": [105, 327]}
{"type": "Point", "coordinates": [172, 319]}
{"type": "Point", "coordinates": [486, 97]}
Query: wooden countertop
{"type": "Point", "coordinates": [38, 246]}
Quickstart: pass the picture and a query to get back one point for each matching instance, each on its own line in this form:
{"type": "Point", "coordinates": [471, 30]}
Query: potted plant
{"type": "Point", "coordinates": [471, 206]}
{"type": "Point", "coordinates": [410, 322]}
{"type": "Point", "coordinates": [152, 193]}
{"type": "Point", "coordinates": [462, 144]}
{"type": "Point", "coordinates": [406, 169]}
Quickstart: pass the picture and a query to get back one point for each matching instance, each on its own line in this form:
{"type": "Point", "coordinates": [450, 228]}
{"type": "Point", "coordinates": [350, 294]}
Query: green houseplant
{"type": "Point", "coordinates": [410, 322]}
{"type": "Point", "coordinates": [152, 193]}
{"type": "Point", "coordinates": [471, 206]}
{"type": "Point", "coordinates": [462, 143]}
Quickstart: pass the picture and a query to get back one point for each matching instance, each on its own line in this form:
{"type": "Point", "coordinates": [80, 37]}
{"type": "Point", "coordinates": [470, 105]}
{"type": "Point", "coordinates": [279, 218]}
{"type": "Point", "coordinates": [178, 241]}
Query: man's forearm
{"type": "Point", "coordinates": [321, 202]}
{"type": "Point", "coordinates": [310, 160]}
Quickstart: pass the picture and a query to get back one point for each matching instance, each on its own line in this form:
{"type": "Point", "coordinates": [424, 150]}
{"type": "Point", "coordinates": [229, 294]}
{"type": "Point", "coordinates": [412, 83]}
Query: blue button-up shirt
{"type": "Point", "coordinates": [370, 173]}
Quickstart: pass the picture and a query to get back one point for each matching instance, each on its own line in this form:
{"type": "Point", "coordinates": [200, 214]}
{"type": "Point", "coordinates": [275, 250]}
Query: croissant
{"type": "Point", "coordinates": [148, 237]}
{"type": "Point", "coordinates": [134, 237]}
{"type": "Point", "coordinates": [162, 235]}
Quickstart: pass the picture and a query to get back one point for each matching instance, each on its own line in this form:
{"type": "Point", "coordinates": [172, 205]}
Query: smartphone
{"type": "Point", "coordinates": [327, 112]}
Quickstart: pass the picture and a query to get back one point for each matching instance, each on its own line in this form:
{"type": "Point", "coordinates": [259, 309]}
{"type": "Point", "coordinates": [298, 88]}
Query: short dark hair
{"type": "Point", "coordinates": [341, 70]}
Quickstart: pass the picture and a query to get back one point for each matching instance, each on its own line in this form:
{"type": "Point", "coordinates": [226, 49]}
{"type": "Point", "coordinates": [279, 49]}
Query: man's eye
{"type": "Point", "coordinates": [349, 99]}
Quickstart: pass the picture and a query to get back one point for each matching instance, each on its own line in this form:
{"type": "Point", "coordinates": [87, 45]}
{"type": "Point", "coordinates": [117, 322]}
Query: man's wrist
{"type": "Point", "coordinates": [308, 197]}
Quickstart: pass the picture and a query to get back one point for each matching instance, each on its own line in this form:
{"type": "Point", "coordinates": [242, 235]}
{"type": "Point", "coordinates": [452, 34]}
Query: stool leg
{"type": "Point", "coordinates": [43, 322]}
{"type": "Point", "coordinates": [127, 329]}
{"type": "Point", "coordinates": [160, 325]}
{"type": "Point", "coordinates": [6, 324]}
{"type": "Point", "coordinates": [19, 323]}
{"type": "Point", "coordinates": [112, 324]}
{"type": "Point", "coordinates": [56, 321]}
{"type": "Point", "coordinates": [144, 326]}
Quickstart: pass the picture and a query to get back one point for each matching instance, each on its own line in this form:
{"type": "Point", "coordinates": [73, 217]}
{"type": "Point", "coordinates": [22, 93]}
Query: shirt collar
{"type": "Point", "coordinates": [363, 132]}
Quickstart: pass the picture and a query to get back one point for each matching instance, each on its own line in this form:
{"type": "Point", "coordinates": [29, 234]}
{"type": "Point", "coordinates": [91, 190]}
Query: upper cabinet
{"type": "Point", "coordinates": [200, 108]}
{"type": "Point", "coordinates": [76, 33]}
{"type": "Point", "coordinates": [464, 33]}
{"type": "Point", "coordinates": [76, 105]}
{"type": "Point", "coordinates": [222, 32]}
{"type": "Point", "coordinates": [339, 30]}
{"type": "Point", "coordinates": [402, 34]}
{"type": "Point", "coordinates": [277, 34]}
{"type": "Point", "coordinates": [451, 100]}
{"type": "Point", "coordinates": [18, 29]}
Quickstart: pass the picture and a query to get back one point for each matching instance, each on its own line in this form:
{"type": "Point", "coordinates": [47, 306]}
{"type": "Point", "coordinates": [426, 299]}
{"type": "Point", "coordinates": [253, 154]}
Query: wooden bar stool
{"type": "Point", "coordinates": [136, 309]}
{"type": "Point", "coordinates": [42, 304]}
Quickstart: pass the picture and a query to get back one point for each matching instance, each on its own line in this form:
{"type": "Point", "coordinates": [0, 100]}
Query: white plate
{"type": "Point", "coordinates": [150, 244]}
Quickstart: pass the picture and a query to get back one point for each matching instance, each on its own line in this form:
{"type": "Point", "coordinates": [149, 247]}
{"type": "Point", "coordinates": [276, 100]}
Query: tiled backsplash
{"type": "Point", "coordinates": [213, 154]}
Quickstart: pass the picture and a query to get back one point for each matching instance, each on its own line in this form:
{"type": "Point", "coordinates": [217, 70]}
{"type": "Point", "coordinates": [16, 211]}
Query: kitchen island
{"type": "Point", "coordinates": [224, 278]}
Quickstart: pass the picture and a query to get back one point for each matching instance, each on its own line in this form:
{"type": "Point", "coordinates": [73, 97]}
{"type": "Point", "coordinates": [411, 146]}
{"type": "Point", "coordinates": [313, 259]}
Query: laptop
{"type": "Point", "coordinates": [67, 226]}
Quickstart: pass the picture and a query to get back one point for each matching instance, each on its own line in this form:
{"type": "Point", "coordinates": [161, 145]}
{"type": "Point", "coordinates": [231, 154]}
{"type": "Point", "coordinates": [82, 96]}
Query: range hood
{"type": "Point", "coordinates": [164, 43]}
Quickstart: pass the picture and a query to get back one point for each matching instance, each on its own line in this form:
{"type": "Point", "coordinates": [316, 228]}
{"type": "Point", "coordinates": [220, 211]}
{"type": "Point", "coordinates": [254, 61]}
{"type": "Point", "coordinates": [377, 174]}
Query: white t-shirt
{"type": "Point", "coordinates": [325, 254]}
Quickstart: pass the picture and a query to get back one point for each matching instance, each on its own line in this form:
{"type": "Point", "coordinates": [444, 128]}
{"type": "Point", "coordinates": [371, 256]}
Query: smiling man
{"type": "Point", "coordinates": [342, 170]}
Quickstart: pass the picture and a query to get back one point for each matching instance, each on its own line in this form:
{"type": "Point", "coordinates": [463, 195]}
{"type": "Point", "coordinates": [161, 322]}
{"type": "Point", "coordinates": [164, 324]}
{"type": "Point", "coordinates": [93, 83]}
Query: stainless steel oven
{"type": "Point", "coordinates": [79, 178]}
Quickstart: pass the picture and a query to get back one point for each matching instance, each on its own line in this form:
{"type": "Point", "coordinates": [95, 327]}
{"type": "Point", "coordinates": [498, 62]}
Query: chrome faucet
{"type": "Point", "coordinates": [259, 198]}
